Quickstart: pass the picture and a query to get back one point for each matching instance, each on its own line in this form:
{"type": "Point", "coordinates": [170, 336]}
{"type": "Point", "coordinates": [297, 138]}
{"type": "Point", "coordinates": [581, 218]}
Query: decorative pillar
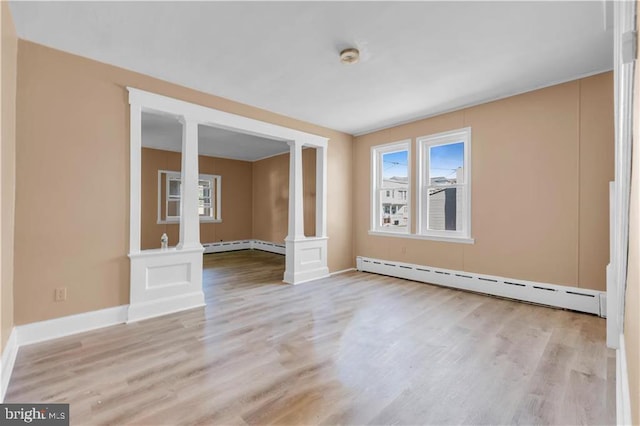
{"type": "Point", "coordinates": [321, 192]}
{"type": "Point", "coordinates": [135, 167]}
{"type": "Point", "coordinates": [296, 214]}
{"type": "Point", "coordinates": [189, 216]}
{"type": "Point", "coordinates": [306, 258]}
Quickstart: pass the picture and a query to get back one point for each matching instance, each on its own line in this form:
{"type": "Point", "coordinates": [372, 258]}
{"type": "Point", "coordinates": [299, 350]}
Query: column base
{"type": "Point", "coordinates": [306, 260]}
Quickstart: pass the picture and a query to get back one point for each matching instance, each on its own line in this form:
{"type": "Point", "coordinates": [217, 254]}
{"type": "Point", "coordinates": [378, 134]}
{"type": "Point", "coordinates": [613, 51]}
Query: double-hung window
{"type": "Point", "coordinates": [444, 202]}
{"type": "Point", "coordinates": [390, 190]}
{"type": "Point", "coordinates": [170, 196]}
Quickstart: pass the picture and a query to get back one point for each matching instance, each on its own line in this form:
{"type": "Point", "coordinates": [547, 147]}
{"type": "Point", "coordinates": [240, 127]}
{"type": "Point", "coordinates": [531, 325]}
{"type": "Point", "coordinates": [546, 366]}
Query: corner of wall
{"type": "Point", "coordinates": [9, 64]}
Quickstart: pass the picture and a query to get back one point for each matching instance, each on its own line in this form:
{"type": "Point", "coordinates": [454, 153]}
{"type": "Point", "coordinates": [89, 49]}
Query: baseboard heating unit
{"type": "Point", "coordinates": [223, 246]}
{"type": "Point", "coordinates": [573, 298]}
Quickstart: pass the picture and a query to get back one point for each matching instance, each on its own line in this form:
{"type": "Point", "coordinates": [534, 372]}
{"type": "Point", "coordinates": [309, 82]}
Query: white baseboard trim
{"type": "Point", "coordinates": [243, 245]}
{"type": "Point", "coordinates": [41, 331]}
{"type": "Point", "coordinates": [577, 299]}
{"type": "Point", "coordinates": [165, 306]}
{"type": "Point", "coordinates": [603, 304]}
{"type": "Point", "coordinates": [72, 324]}
{"type": "Point", "coordinates": [9, 354]}
{"type": "Point", "coordinates": [623, 399]}
{"type": "Point", "coordinates": [306, 276]}
{"type": "Point", "coordinates": [342, 271]}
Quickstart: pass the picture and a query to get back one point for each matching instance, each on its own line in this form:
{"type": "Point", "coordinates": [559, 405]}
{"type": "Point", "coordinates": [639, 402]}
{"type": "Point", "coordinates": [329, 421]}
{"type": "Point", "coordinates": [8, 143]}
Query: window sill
{"type": "Point", "coordinates": [177, 222]}
{"type": "Point", "coordinates": [460, 240]}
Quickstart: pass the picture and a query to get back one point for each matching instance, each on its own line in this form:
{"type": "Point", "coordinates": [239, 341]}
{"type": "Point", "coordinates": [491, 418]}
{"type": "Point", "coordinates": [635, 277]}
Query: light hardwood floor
{"type": "Point", "coordinates": [353, 349]}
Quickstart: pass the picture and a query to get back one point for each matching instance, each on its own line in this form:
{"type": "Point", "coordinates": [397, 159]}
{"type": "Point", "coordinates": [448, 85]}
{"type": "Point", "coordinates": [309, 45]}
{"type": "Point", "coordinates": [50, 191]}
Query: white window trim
{"type": "Point", "coordinates": [376, 177]}
{"type": "Point", "coordinates": [423, 145]}
{"type": "Point", "coordinates": [216, 179]}
{"type": "Point", "coordinates": [423, 237]}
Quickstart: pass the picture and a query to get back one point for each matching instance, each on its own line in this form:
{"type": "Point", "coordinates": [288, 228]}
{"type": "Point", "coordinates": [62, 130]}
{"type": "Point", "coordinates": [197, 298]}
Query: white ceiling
{"type": "Point", "coordinates": [164, 132]}
{"type": "Point", "coordinates": [418, 58]}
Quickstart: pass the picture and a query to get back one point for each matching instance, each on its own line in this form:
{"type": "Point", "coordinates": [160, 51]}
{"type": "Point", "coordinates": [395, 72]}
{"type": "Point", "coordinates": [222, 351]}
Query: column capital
{"type": "Point", "coordinates": [184, 119]}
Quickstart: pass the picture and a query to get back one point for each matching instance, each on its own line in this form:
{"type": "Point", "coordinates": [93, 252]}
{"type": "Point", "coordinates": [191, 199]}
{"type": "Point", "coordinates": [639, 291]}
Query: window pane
{"type": "Point", "coordinates": [393, 196]}
{"type": "Point", "coordinates": [173, 208]}
{"type": "Point", "coordinates": [174, 187]}
{"type": "Point", "coordinates": [446, 164]}
{"type": "Point", "coordinates": [205, 211]}
{"type": "Point", "coordinates": [394, 167]}
{"type": "Point", "coordinates": [445, 209]}
{"type": "Point", "coordinates": [393, 205]}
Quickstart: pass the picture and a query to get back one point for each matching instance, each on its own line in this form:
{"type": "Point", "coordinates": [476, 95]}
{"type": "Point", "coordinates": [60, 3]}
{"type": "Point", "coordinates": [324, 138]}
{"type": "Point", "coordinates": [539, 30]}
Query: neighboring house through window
{"type": "Point", "coordinates": [170, 192]}
{"type": "Point", "coordinates": [444, 204]}
{"type": "Point", "coordinates": [390, 177]}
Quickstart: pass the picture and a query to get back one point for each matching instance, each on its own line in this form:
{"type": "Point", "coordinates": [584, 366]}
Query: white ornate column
{"type": "Point", "coordinates": [296, 195]}
{"type": "Point", "coordinates": [321, 192]}
{"type": "Point", "coordinates": [189, 216]}
{"type": "Point", "coordinates": [306, 257]}
{"type": "Point", "coordinates": [166, 280]}
{"type": "Point", "coordinates": [135, 184]}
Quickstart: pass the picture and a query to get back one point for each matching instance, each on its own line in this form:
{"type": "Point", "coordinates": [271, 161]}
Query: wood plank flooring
{"type": "Point", "coordinates": [355, 349]}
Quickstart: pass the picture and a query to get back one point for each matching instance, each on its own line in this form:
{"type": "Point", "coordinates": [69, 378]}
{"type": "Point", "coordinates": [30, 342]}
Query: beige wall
{"type": "Point", "coordinates": [541, 163]}
{"type": "Point", "coordinates": [632, 297]}
{"type": "Point", "coordinates": [271, 196]}
{"type": "Point", "coordinates": [9, 52]}
{"type": "Point", "coordinates": [236, 198]}
{"type": "Point", "coordinates": [72, 133]}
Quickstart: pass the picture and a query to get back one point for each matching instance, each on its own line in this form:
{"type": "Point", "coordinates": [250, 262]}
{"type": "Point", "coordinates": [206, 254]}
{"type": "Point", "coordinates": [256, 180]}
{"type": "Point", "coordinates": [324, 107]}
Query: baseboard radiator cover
{"type": "Point", "coordinates": [558, 296]}
{"type": "Point", "coordinates": [268, 246]}
{"type": "Point", "coordinates": [223, 246]}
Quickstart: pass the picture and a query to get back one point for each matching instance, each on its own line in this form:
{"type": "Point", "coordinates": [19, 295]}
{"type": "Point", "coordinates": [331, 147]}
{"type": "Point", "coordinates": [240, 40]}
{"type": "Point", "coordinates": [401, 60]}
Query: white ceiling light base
{"type": "Point", "coordinates": [350, 56]}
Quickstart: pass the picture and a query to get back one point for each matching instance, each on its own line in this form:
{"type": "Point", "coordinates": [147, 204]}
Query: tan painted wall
{"type": "Point", "coordinates": [271, 196]}
{"type": "Point", "coordinates": [236, 198]}
{"type": "Point", "coordinates": [541, 163]}
{"type": "Point", "coordinates": [9, 54]}
{"type": "Point", "coordinates": [597, 169]}
{"type": "Point", "coordinates": [632, 297]}
{"type": "Point", "coordinates": [72, 133]}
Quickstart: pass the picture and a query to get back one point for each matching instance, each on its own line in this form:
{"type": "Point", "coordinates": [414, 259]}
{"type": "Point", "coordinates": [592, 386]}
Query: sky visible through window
{"type": "Point", "coordinates": [445, 159]}
{"type": "Point", "coordinates": [394, 164]}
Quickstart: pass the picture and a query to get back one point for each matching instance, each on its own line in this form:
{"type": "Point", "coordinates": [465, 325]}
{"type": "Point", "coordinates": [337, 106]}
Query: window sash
{"type": "Point", "coordinates": [429, 221]}
{"type": "Point", "coordinates": [379, 190]}
{"type": "Point", "coordinates": [463, 214]}
{"type": "Point", "coordinates": [208, 201]}
{"type": "Point", "coordinates": [428, 160]}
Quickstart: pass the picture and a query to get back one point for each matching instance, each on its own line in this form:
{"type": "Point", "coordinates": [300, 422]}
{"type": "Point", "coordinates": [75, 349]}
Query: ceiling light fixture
{"type": "Point", "coordinates": [349, 56]}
